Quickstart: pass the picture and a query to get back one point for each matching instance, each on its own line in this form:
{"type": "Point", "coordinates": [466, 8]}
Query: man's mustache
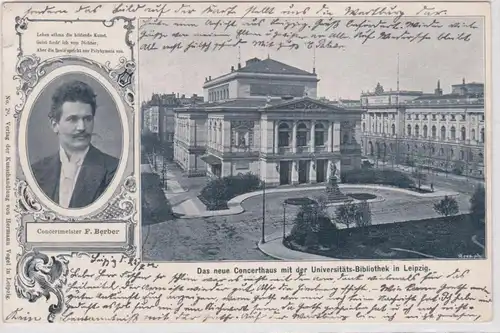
{"type": "Point", "coordinates": [85, 135]}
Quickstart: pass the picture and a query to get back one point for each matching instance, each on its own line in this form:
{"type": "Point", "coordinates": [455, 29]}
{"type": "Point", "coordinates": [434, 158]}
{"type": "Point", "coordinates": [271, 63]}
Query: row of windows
{"type": "Point", "coordinates": [219, 94]}
{"type": "Point", "coordinates": [426, 117]}
{"type": "Point", "coordinates": [301, 136]}
{"type": "Point", "coordinates": [453, 134]}
{"type": "Point", "coordinates": [383, 149]}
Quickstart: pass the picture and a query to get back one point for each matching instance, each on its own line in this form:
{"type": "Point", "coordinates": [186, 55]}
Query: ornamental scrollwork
{"type": "Point", "coordinates": [40, 275]}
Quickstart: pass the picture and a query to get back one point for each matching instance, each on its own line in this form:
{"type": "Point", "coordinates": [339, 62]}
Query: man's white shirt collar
{"type": "Point", "coordinates": [76, 158]}
{"type": "Point", "coordinates": [70, 168]}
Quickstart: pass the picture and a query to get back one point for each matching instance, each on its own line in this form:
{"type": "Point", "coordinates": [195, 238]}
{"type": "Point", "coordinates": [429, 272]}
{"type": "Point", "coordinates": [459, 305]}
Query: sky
{"type": "Point", "coordinates": [343, 73]}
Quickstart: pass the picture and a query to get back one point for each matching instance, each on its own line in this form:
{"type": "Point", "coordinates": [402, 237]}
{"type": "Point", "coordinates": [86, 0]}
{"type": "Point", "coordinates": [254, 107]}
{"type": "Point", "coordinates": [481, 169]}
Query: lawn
{"type": "Point", "coordinates": [440, 237]}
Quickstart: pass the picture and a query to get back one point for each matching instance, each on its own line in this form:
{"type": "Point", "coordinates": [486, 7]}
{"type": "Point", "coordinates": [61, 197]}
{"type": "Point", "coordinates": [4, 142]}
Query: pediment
{"type": "Point", "coordinates": [305, 104]}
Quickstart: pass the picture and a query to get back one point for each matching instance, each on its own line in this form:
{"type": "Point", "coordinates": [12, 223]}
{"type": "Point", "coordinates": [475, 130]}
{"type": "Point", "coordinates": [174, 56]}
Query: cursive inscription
{"type": "Point", "coordinates": [379, 25]}
{"type": "Point", "coordinates": [124, 290]}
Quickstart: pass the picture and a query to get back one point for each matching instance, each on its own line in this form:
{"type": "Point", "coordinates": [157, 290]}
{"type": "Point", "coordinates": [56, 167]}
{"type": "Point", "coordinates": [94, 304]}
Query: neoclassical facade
{"type": "Point", "coordinates": [285, 139]}
{"type": "Point", "coordinates": [439, 131]}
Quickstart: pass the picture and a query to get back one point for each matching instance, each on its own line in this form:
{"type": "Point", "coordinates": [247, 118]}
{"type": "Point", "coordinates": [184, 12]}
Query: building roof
{"type": "Point", "coordinates": [271, 66]}
{"type": "Point", "coordinates": [299, 104]}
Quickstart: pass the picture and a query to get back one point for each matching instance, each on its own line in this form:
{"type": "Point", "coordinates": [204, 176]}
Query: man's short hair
{"type": "Point", "coordinates": [72, 91]}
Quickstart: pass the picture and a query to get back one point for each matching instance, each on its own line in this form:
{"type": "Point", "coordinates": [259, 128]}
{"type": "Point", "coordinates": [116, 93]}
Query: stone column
{"type": "Point", "coordinates": [276, 138]}
{"type": "Point", "coordinates": [312, 138]}
{"type": "Point", "coordinates": [295, 172]}
{"type": "Point", "coordinates": [329, 142]}
{"type": "Point", "coordinates": [336, 136]}
{"type": "Point", "coordinates": [294, 137]}
{"type": "Point", "coordinates": [226, 135]}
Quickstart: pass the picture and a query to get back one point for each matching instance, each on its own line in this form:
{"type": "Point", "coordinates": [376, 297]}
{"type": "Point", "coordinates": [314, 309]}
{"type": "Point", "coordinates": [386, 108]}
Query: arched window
{"type": "Point", "coordinates": [408, 130]}
{"type": "Point", "coordinates": [417, 131]}
{"type": "Point", "coordinates": [443, 133]}
{"type": "Point", "coordinates": [425, 131]}
{"type": "Point", "coordinates": [453, 133]}
{"type": "Point", "coordinates": [462, 134]}
{"type": "Point", "coordinates": [482, 135]}
{"type": "Point", "coordinates": [393, 129]}
{"type": "Point", "coordinates": [283, 135]}
{"type": "Point", "coordinates": [370, 146]}
{"type": "Point", "coordinates": [473, 134]}
{"type": "Point", "coordinates": [301, 135]}
{"type": "Point", "coordinates": [319, 134]}
{"type": "Point", "coordinates": [433, 131]}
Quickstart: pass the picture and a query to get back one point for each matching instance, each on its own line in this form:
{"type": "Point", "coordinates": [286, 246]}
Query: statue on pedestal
{"type": "Point", "coordinates": [332, 188]}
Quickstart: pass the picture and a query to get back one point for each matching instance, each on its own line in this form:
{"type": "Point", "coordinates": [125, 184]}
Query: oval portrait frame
{"type": "Point", "coordinates": [23, 149]}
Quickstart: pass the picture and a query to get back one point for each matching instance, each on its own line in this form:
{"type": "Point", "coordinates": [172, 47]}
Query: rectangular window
{"type": "Point", "coordinates": [301, 139]}
{"type": "Point", "coordinates": [319, 138]}
{"type": "Point", "coordinates": [283, 139]}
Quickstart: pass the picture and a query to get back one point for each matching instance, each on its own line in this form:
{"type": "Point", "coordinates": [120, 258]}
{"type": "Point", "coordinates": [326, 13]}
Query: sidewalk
{"type": "Point", "coordinates": [274, 247]}
{"type": "Point", "coordinates": [196, 208]}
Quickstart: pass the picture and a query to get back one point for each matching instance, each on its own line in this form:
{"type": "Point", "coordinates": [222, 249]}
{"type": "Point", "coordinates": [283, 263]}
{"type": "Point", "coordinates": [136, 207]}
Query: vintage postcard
{"type": "Point", "coordinates": [246, 162]}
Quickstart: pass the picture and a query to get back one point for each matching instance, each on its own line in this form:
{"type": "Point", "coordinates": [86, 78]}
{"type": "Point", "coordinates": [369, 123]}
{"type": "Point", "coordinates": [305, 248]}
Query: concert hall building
{"type": "Point", "coordinates": [265, 118]}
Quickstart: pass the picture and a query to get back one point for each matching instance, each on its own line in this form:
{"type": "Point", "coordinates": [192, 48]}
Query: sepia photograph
{"type": "Point", "coordinates": [74, 140]}
{"type": "Point", "coordinates": [321, 149]}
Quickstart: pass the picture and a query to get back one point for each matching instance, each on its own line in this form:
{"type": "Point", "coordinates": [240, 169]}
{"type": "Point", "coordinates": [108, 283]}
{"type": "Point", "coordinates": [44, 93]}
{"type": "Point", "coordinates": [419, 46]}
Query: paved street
{"type": "Point", "coordinates": [235, 237]}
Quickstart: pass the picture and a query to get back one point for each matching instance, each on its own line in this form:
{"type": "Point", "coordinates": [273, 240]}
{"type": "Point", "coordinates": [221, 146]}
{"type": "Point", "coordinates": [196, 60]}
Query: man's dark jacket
{"type": "Point", "coordinates": [96, 173]}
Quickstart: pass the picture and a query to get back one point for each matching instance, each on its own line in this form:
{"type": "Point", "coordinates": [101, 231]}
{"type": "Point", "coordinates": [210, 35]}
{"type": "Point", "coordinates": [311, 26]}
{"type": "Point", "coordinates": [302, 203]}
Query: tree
{"type": "Point", "coordinates": [347, 214]}
{"type": "Point", "coordinates": [478, 204]}
{"type": "Point", "coordinates": [419, 176]}
{"type": "Point", "coordinates": [365, 214]}
{"type": "Point", "coordinates": [447, 206]}
{"type": "Point", "coordinates": [313, 226]}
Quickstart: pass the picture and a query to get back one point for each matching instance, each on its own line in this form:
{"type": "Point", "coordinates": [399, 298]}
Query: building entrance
{"type": "Point", "coordinates": [284, 172]}
{"type": "Point", "coordinates": [321, 166]}
{"type": "Point", "coordinates": [303, 172]}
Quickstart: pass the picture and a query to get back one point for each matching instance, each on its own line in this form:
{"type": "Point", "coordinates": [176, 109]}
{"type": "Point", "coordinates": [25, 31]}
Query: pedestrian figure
{"type": "Point", "coordinates": [432, 187]}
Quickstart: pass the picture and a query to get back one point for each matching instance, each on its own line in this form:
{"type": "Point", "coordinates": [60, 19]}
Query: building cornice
{"type": "Point", "coordinates": [236, 75]}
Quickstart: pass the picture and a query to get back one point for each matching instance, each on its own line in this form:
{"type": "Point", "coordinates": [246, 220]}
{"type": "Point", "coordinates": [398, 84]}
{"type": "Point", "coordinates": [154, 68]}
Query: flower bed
{"type": "Point", "coordinates": [362, 196]}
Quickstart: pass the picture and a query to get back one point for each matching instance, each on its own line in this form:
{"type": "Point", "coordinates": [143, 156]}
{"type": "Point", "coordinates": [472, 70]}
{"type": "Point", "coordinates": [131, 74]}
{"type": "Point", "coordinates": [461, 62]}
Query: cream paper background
{"type": "Point", "coordinates": [480, 270]}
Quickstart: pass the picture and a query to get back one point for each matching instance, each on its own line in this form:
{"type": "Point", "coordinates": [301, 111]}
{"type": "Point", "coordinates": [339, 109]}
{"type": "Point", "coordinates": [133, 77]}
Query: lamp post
{"type": "Point", "coordinates": [263, 240]}
{"type": "Point", "coordinates": [284, 219]}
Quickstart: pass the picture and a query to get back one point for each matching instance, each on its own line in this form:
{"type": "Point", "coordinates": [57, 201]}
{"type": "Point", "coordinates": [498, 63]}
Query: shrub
{"type": "Point", "coordinates": [376, 176]}
{"type": "Point", "coordinates": [478, 204]}
{"type": "Point", "coordinates": [219, 191]}
{"type": "Point", "coordinates": [313, 226]}
{"type": "Point", "coordinates": [447, 206]}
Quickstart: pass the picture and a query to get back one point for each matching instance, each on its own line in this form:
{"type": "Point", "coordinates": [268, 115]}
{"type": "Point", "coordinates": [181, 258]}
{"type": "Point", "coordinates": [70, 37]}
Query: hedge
{"type": "Point", "coordinates": [218, 192]}
{"type": "Point", "coordinates": [377, 176]}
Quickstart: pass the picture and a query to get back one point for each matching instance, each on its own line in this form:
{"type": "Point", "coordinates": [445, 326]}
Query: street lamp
{"type": "Point", "coordinates": [263, 240]}
{"type": "Point", "coordinates": [284, 219]}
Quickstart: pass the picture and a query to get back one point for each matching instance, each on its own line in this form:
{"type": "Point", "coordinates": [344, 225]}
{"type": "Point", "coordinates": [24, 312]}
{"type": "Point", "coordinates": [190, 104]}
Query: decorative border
{"type": "Point", "coordinates": [38, 274]}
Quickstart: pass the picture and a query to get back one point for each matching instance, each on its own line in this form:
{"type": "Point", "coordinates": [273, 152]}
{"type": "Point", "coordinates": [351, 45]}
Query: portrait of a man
{"type": "Point", "coordinates": [77, 173]}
